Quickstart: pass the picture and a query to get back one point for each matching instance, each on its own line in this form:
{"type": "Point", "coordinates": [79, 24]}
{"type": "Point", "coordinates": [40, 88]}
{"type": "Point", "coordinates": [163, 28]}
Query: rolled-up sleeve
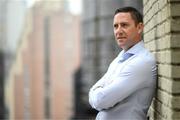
{"type": "Point", "coordinates": [133, 77]}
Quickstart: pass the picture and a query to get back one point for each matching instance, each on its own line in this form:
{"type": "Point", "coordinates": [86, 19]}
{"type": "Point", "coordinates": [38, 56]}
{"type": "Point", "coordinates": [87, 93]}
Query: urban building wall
{"type": "Point", "coordinates": [161, 36]}
{"type": "Point", "coordinates": [40, 82]}
{"type": "Point", "coordinates": [14, 84]}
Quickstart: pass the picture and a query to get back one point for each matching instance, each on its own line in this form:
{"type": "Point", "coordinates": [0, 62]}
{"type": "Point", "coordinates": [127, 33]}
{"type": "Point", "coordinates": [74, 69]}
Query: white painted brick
{"type": "Point", "coordinates": [146, 6]}
{"type": "Point", "coordinates": [150, 35]}
{"type": "Point", "coordinates": [164, 70]}
{"type": "Point", "coordinates": [175, 87]}
{"type": "Point", "coordinates": [164, 57]}
{"type": "Point", "coordinates": [155, 7]}
{"type": "Point", "coordinates": [162, 3]}
{"type": "Point", "coordinates": [151, 13]}
{"type": "Point", "coordinates": [170, 71]}
{"type": "Point", "coordinates": [167, 26]}
{"type": "Point", "coordinates": [148, 15]}
{"type": "Point", "coordinates": [164, 105]}
{"type": "Point", "coordinates": [161, 108]}
{"type": "Point", "coordinates": [173, 0]}
{"type": "Point", "coordinates": [160, 30]}
{"type": "Point", "coordinates": [165, 12]}
{"type": "Point", "coordinates": [163, 42]}
{"type": "Point", "coordinates": [145, 2]}
{"type": "Point", "coordinates": [150, 45]}
{"type": "Point", "coordinates": [154, 115]}
{"type": "Point", "coordinates": [159, 17]}
{"type": "Point", "coordinates": [163, 28]}
{"type": "Point", "coordinates": [175, 24]}
{"type": "Point", "coordinates": [175, 102]}
{"type": "Point", "coordinates": [175, 8]}
{"type": "Point", "coordinates": [175, 41]}
{"type": "Point", "coordinates": [145, 29]}
{"type": "Point", "coordinates": [150, 24]}
{"type": "Point", "coordinates": [175, 115]}
{"type": "Point", "coordinates": [158, 25]}
{"type": "Point", "coordinates": [164, 112]}
{"type": "Point", "coordinates": [169, 85]}
{"type": "Point", "coordinates": [155, 20]}
{"type": "Point", "coordinates": [165, 84]}
{"type": "Point", "coordinates": [145, 19]}
{"type": "Point", "coordinates": [175, 71]}
{"type": "Point", "coordinates": [164, 97]}
{"type": "Point", "coordinates": [175, 56]}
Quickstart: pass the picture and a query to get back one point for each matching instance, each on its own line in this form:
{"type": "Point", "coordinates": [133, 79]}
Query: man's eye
{"type": "Point", "coordinates": [115, 26]}
{"type": "Point", "coordinates": [124, 25]}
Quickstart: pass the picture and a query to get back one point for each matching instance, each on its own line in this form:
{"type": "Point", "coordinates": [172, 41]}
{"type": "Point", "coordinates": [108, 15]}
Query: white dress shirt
{"type": "Point", "coordinates": [126, 90]}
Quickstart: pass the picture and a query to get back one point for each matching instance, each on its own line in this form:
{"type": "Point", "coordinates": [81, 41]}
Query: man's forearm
{"type": "Point", "coordinates": [96, 87]}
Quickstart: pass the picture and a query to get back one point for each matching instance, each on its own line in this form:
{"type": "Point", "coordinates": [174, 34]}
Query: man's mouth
{"type": "Point", "coordinates": [119, 38]}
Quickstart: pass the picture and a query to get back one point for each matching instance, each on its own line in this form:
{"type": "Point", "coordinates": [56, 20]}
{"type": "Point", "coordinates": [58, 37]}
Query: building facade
{"type": "Point", "coordinates": [161, 35]}
{"type": "Point", "coordinates": [40, 79]}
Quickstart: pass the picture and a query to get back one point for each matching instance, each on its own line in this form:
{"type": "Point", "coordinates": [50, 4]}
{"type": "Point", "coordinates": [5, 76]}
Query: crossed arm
{"type": "Point", "coordinates": [134, 77]}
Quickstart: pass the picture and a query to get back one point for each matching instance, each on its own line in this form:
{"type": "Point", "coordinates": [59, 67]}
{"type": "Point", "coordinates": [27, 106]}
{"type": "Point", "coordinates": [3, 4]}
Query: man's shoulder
{"type": "Point", "coordinates": [146, 55]}
{"type": "Point", "coordinates": [143, 58]}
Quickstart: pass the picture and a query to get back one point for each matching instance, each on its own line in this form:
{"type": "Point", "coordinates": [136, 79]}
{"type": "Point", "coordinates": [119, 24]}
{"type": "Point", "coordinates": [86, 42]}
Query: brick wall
{"type": "Point", "coordinates": [162, 38]}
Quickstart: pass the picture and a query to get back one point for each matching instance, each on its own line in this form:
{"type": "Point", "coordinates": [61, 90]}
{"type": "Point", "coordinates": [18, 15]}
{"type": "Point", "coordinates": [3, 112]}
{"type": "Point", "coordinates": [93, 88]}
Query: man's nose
{"type": "Point", "coordinates": [119, 30]}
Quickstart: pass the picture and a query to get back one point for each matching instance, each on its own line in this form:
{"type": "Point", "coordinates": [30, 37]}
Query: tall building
{"type": "Point", "coordinates": [41, 82]}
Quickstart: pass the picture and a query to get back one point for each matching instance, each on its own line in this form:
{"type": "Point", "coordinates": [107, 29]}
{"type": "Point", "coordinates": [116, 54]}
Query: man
{"type": "Point", "coordinates": [126, 90]}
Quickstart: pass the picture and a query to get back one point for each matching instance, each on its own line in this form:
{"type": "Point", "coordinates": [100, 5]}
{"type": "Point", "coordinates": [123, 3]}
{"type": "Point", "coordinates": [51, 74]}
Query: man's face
{"type": "Point", "coordinates": [126, 32]}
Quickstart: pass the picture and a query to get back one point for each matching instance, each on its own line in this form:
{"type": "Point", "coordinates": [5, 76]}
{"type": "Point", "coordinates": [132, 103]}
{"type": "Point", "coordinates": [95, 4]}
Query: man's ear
{"type": "Point", "coordinates": [140, 27]}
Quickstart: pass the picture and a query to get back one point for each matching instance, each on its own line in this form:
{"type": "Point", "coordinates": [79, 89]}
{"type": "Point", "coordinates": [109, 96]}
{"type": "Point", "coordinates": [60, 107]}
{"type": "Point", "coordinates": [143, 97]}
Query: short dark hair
{"type": "Point", "coordinates": [135, 14]}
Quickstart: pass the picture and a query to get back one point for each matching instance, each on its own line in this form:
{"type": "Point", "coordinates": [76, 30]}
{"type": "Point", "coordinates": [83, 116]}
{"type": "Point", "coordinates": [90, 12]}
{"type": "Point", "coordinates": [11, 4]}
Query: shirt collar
{"type": "Point", "coordinates": [132, 51]}
{"type": "Point", "coordinates": [136, 48]}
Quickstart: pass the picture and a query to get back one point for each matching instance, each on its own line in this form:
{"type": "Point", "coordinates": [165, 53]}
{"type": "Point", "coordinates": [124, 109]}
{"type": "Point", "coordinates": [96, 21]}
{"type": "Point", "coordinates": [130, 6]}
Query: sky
{"type": "Point", "coordinates": [75, 5]}
{"type": "Point", "coordinates": [30, 2]}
